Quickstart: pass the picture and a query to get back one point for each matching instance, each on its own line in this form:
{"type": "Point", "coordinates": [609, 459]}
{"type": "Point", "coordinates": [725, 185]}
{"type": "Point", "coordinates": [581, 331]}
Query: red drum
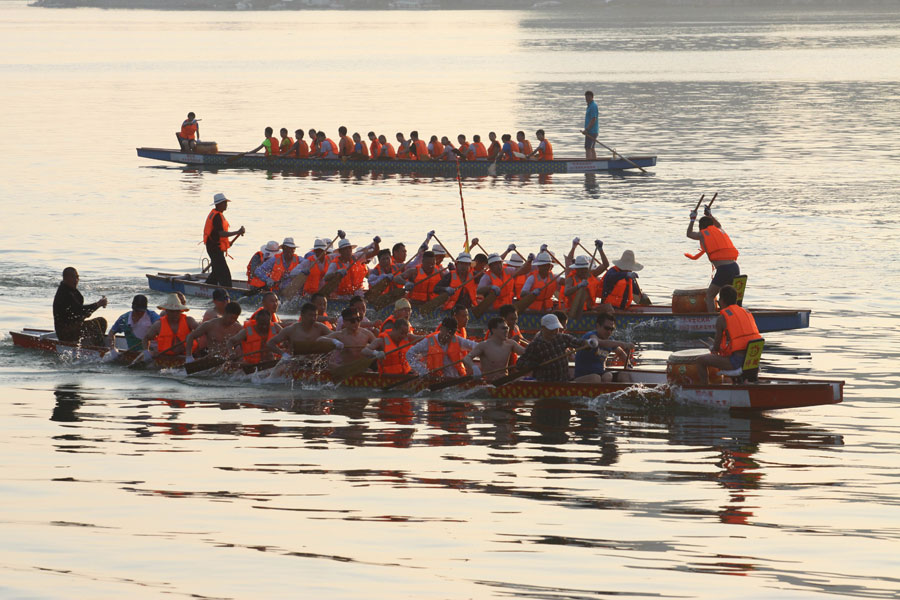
{"type": "Point", "coordinates": [207, 148]}
{"type": "Point", "coordinates": [682, 370]}
{"type": "Point", "coordinates": [689, 301]}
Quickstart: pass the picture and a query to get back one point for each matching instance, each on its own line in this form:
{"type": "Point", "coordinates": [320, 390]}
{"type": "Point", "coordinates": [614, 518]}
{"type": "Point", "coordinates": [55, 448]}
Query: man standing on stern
{"type": "Point", "coordinates": [591, 126]}
{"type": "Point", "coordinates": [215, 236]}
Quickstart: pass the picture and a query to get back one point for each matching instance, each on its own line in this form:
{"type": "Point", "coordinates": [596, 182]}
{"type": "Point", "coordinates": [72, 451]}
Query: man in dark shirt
{"type": "Point", "coordinates": [550, 344]}
{"type": "Point", "coordinates": [70, 312]}
{"type": "Point", "coordinates": [216, 237]}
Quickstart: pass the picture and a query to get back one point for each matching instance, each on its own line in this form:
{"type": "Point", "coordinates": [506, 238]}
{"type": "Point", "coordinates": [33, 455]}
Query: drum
{"type": "Point", "coordinates": [682, 370]}
{"type": "Point", "coordinates": [689, 301]}
{"type": "Point", "coordinates": [207, 148]}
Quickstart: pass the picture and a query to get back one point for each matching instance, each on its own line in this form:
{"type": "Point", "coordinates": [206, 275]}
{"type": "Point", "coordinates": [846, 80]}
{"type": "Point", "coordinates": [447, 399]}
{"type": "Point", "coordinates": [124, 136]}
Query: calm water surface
{"type": "Point", "coordinates": [117, 483]}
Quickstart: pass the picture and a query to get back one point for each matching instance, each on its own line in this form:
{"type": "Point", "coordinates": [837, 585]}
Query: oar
{"type": "Point", "coordinates": [420, 377]}
{"type": "Point", "coordinates": [377, 289]}
{"type": "Point", "coordinates": [614, 153]}
{"type": "Point", "coordinates": [700, 201]}
{"type": "Point", "coordinates": [523, 372]}
{"type": "Point", "coordinates": [433, 304]}
{"type": "Point", "coordinates": [450, 382]}
{"type": "Point", "coordinates": [709, 206]}
{"type": "Point", "coordinates": [577, 304]}
{"type": "Point", "coordinates": [236, 156]}
{"type": "Point", "coordinates": [139, 361]}
{"type": "Point", "coordinates": [593, 256]}
{"type": "Point", "coordinates": [449, 256]}
{"type": "Point", "coordinates": [204, 364]}
{"type": "Point", "coordinates": [298, 349]}
{"type": "Point", "coordinates": [387, 299]}
{"type": "Point", "coordinates": [356, 367]}
{"type": "Point", "coordinates": [525, 301]}
{"type": "Point", "coordinates": [299, 281]}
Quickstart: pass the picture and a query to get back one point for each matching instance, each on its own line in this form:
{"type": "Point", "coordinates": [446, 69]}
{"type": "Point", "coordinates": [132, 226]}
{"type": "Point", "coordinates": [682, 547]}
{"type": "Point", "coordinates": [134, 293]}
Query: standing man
{"type": "Point", "coordinates": [591, 126]}
{"type": "Point", "coordinates": [70, 312]}
{"type": "Point", "coordinates": [189, 134]}
{"type": "Point", "coordinates": [215, 236]}
{"type": "Point", "coordinates": [720, 250]}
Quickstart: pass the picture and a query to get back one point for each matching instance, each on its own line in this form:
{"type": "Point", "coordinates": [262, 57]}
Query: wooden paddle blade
{"type": "Point", "coordinates": [507, 378]}
{"type": "Point", "coordinates": [446, 383]}
{"type": "Point", "coordinates": [434, 304]}
{"type": "Point", "coordinates": [339, 374]}
{"type": "Point", "coordinates": [486, 304]}
{"type": "Point", "coordinates": [523, 303]}
{"type": "Point", "coordinates": [376, 290]}
{"type": "Point", "coordinates": [328, 288]}
{"type": "Point", "coordinates": [204, 364]}
{"type": "Point", "coordinates": [312, 348]}
{"type": "Point", "coordinates": [260, 366]}
{"type": "Point", "coordinates": [578, 300]}
{"type": "Point", "coordinates": [295, 288]}
{"type": "Point", "coordinates": [401, 382]}
{"type": "Point", "coordinates": [387, 299]}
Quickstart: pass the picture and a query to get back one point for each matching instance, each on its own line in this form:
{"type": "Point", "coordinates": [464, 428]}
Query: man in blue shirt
{"type": "Point", "coordinates": [592, 360]}
{"type": "Point", "coordinates": [133, 324]}
{"type": "Point", "coordinates": [591, 126]}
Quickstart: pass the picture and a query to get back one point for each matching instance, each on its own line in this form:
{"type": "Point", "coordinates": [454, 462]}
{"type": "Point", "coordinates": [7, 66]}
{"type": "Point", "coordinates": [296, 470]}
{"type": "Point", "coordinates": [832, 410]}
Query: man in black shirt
{"type": "Point", "coordinates": [70, 312]}
{"type": "Point", "coordinates": [215, 236]}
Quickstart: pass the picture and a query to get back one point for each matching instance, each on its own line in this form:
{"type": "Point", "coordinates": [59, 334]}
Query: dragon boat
{"type": "Point", "coordinates": [439, 168]}
{"type": "Point", "coordinates": [659, 318]}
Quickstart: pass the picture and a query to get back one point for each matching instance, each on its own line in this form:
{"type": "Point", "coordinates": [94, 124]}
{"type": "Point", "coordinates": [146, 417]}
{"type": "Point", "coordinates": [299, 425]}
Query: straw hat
{"type": "Point", "coordinates": [627, 262]}
{"type": "Point", "coordinates": [582, 262]}
{"type": "Point", "coordinates": [288, 243]}
{"type": "Point", "coordinates": [344, 243]}
{"type": "Point", "coordinates": [173, 303]}
{"type": "Point", "coordinates": [464, 257]}
{"type": "Point", "coordinates": [219, 198]}
{"type": "Point", "coordinates": [493, 257]}
{"type": "Point", "coordinates": [271, 247]}
{"type": "Point", "coordinates": [320, 244]}
{"type": "Point", "coordinates": [543, 258]}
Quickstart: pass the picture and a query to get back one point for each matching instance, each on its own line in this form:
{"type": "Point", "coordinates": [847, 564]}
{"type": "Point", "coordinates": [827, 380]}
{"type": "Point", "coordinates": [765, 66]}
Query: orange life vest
{"type": "Point", "coordinates": [393, 364]}
{"type": "Point", "coordinates": [260, 254]}
{"type": "Point", "coordinates": [274, 147]}
{"type": "Point", "coordinates": [166, 338]}
{"type": "Point", "coordinates": [506, 288]}
{"type": "Point", "coordinates": [509, 150]}
{"type": "Point", "coordinates": [253, 343]}
{"type": "Point", "coordinates": [314, 279]}
{"type": "Point", "coordinates": [224, 242]}
{"type": "Point", "coordinates": [435, 358]}
{"type": "Point", "coordinates": [363, 149]}
{"type": "Point", "coordinates": [252, 318]}
{"type": "Point", "coordinates": [525, 147]}
{"type": "Point", "coordinates": [494, 150]}
{"type": "Point", "coordinates": [456, 282]}
{"type": "Point", "coordinates": [346, 145]}
{"type": "Point", "coordinates": [593, 288]}
{"type": "Point", "coordinates": [302, 150]}
{"type": "Point", "coordinates": [387, 151]}
{"type": "Point", "coordinates": [352, 279]}
{"type": "Point", "coordinates": [375, 149]}
{"type": "Point", "coordinates": [622, 294]}
{"type": "Point", "coordinates": [421, 150]}
{"type": "Point", "coordinates": [547, 152]}
{"type": "Point", "coordinates": [403, 151]}
{"type": "Point", "coordinates": [423, 290]}
{"type": "Point", "coordinates": [189, 129]}
{"type": "Point", "coordinates": [278, 269]}
{"type": "Point", "coordinates": [286, 144]}
{"type": "Point", "coordinates": [545, 287]}
{"type": "Point", "coordinates": [335, 149]}
{"type": "Point", "coordinates": [463, 150]}
{"type": "Point", "coordinates": [437, 149]}
{"type": "Point", "coordinates": [740, 329]}
{"type": "Point", "coordinates": [717, 244]}
{"type": "Point", "coordinates": [377, 270]}
{"type": "Point", "coordinates": [478, 150]}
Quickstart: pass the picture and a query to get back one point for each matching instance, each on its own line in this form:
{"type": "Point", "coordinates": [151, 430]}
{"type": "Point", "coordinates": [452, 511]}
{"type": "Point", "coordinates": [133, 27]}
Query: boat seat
{"type": "Point", "coordinates": [749, 371]}
{"type": "Point", "coordinates": [739, 284]}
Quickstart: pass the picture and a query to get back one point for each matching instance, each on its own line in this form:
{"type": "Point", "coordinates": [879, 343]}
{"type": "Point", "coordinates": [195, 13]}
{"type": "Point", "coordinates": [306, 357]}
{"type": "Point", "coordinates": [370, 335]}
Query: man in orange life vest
{"type": "Point", "coordinates": [189, 134]}
{"type": "Point", "coordinates": [620, 286]}
{"type": "Point", "coordinates": [276, 272]}
{"type": "Point", "coordinates": [254, 336]}
{"type": "Point", "coordinates": [390, 347]}
{"type": "Point", "coordinates": [170, 331]}
{"type": "Point", "coordinates": [458, 283]}
{"type": "Point", "coordinates": [350, 266]}
{"type": "Point", "coordinates": [720, 251]}
{"type": "Point", "coordinates": [265, 253]}
{"type": "Point", "coordinates": [735, 328]}
{"type": "Point", "coordinates": [541, 282]}
{"type": "Point", "coordinates": [441, 352]}
{"type": "Point", "coordinates": [215, 236]}
{"type": "Point", "coordinates": [544, 151]}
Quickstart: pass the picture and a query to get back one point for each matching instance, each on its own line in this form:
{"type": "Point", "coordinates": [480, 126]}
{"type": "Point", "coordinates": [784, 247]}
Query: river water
{"type": "Point", "coordinates": [119, 483]}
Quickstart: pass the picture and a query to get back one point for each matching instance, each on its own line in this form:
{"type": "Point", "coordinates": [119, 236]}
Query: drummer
{"type": "Point", "coordinates": [719, 249]}
{"type": "Point", "coordinates": [735, 328]}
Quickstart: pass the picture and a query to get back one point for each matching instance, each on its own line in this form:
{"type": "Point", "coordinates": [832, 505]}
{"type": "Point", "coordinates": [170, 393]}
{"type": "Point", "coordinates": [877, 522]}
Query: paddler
{"type": "Point", "coordinates": [735, 328]}
{"type": "Point", "coordinates": [495, 351]}
{"type": "Point", "coordinates": [345, 144]}
{"type": "Point", "coordinates": [459, 283]}
{"type": "Point", "coordinates": [384, 270]}
{"type": "Point", "coordinates": [70, 313]}
{"type": "Point", "coordinates": [314, 266]}
{"type": "Point", "coordinates": [581, 275]}
{"type": "Point", "coordinates": [403, 152]}
{"type": "Point", "coordinates": [620, 286]}
{"type": "Point", "coordinates": [270, 303]}
{"type": "Point", "coordinates": [717, 246]}
{"type": "Point", "coordinates": [313, 142]}
{"type": "Point", "coordinates": [189, 134]}
{"type": "Point", "coordinates": [419, 281]}
{"type": "Point", "coordinates": [524, 144]}
{"type": "Point", "coordinates": [509, 149]}
{"type": "Point", "coordinates": [494, 149]}
{"type": "Point", "coordinates": [388, 348]}
{"type": "Point", "coordinates": [592, 361]}
{"type": "Point", "coordinates": [476, 150]}
{"type": "Point", "coordinates": [170, 331]}
{"type": "Point", "coordinates": [299, 149]}
{"type": "Point", "coordinates": [591, 126]}
{"type": "Point", "coordinates": [402, 310]}
{"type": "Point", "coordinates": [418, 149]}
{"type": "Point", "coordinates": [462, 151]}
{"type": "Point", "coordinates": [254, 336]}
{"type": "Point", "coordinates": [271, 144]}
{"type": "Point", "coordinates": [349, 340]}
{"type": "Point", "coordinates": [326, 148]}
{"type": "Point", "coordinates": [436, 148]}
{"type": "Point", "coordinates": [387, 151]}
{"type": "Point", "coordinates": [307, 329]}
{"type": "Point", "coordinates": [265, 252]}
{"type": "Point", "coordinates": [321, 304]}
{"type": "Point", "coordinates": [286, 143]}
{"type": "Point", "coordinates": [549, 344]}
{"type": "Point", "coordinates": [544, 151]}
{"type": "Point", "coordinates": [442, 351]}
{"type": "Point", "coordinates": [360, 150]}
{"type": "Point", "coordinates": [216, 238]}
{"type": "Point", "coordinates": [215, 332]}
{"type": "Point", "coordinates": [220, 300]}
{"type": "Point", "coordinates": [133, 325]}
{"type": "Point", "coordinates": [276, 272]}
{"type": "Point", "coordinates": [541, 282]}
{"type": "Point", "coordinates": [374, 145]}
{"type": "Point", "coordinates": [349, 266]}
{"type": "Point", "coordinates": [448, 152]}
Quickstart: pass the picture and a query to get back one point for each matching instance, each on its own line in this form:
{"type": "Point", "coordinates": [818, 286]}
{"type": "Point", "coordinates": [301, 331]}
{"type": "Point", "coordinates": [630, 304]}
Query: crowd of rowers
{"type": "Point", "coordinates": [501, 281]}
{"type": "Point", "coordinates": [353, 147]}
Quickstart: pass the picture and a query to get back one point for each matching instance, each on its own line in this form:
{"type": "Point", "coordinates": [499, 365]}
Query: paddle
{"type": "Point", "coordinates": [577, 303]}
{"type": "Point", "coordinates": [342, 372]}
{"type": "Point", "coordinates": [442, 385]}
{"type": "Point", "coordinates": [700, 201]}
{"type": "Point", "coordinates": [236, 156]}
{"type": "Point", "coordinates": [387, 299]}
{"type": "Point", "coordinates": [450, 256]}
{"type": "Point", "coordinates": [709, 206]}
{"type": "Point", "coordinates": [525, 301]}
{"type": "Point", "coordinates": [376, 290]}
{"type": "Point", "coordinates": [139, 360]}
{"type": "Point", "coordinates": [420, 377]}
{"type": "Point", "coordinates": [522, 372]}
{"type": "Point", "coordinates": [625, 158]}
{"type": "Point", "coordinates": [203, 364]}
{"type": "Point", "coordinates": [299, 349]}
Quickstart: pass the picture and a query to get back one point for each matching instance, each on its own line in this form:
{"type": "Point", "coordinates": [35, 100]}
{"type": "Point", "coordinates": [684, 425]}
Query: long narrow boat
{"type": "Point", "coordinates": [766, 394]}
{"type": "Point", "coordinates": [46, 341]}
{"type": "Point", "coordinates": [432, 167]}
{"type": "Point", "coordinates": [658, 319]}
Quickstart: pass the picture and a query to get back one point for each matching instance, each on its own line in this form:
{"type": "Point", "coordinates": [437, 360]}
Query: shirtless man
{"type": "Point", "coordinates": [321, 304]}
{"type": "Point", "coordinates": [495, 350]}
{"type": "Point", "coordinates": [216, 331]}
{"type": "Point", "coordinates": [220, 299]}
{"type": "Point", "coordinates": [350, 340]}
{"type": "Point", "coordinates": [395, 341]}
{"type": "Point", "coordinates": [307, 329]}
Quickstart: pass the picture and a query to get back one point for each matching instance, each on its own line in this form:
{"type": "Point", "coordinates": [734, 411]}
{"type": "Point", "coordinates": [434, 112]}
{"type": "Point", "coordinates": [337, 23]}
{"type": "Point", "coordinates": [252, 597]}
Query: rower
{"type": "Point", "coordinates": [360, 150]}
{"type": "Point", "coordinates": [70, 313]}
{"type": "Point", "coordinates": [254, 337]}
{"type": "Point", "coordinates": [448, 152]}
{"type": "Point", "coordinates": [403, 152]}
{"type": "Point", "coordinates": [314, 265]}
{"type": "Point", "coordinates": [620, 286]}
{"type": "Point", "coordinates": [345, 144]}
{"type": "Point", "coordinates": [215, 332]}
{"type": "Point", "coordinates": [544, 151]}
{"type": "Point", "coordinates": [402, 310]}
{"type": "Point", "coordinates": [542, 282]}
{"type": "Point", "coordinates": [509, 148]}
{"type": "Point", "coordinates": [592, 361]}
{"type": "Point", "coordinates": [374, 145]}
{"type": "Point", "coordinates": [494, 149]}
{"type": "Point", "coordinates": [326, 148]}
{"type": "Point", "coordinates": [735, 329]}
{"type": "Point", "coordinates": [436, 148]}
{"type": "Point", "coordinates": [442, 351]}
{"type": "Point", "coordinates": [458, 283]}
{"type": "Point", "coordinates": [133, 325]}
{"type": "Point", "coordinates": [189, 134]}
{"type": "Point", "coordinates": [461, 315]}
{"type": "Point", "coordinates": [476, 150]}
{"type": "Point", "coordinates": [275, 273]}
{"type": "Point", "coordinates": [270, 143]}
{"type": "Point", "coordinates": [496, 351]}
{"type": "Point", "coordinates": [270, 303]}
{"type": "Point", "coordinates": [522, 268]}
{"type": "Point", "coordinates": [299, 149]}
{"type": "Point", "coordinates": [499, 280]}
{"type": "Point", "coordinates": [350, 339]}
{"type": "Point", "coordinates": [524, 145]}
{"type": "Point", "coordinates": [286, 143]}
{"type": "Point", "coordinates": [386, 151]}
{"type": "Point", "coordinates": [383, 271]}
{"type": "Point", "coordinates": [720, 251]}
{"type": "Point", "coordinates": [215, 237]}
{"type": "Point", "coordinates": [313, 142]}
{"type": "Point", "coordinates": [398, 255]}
{"type": "Point", "coordinates": [220, 299]}
{"type": "Point", "coordinates": [550, 343]}
{"type": "Point", "coordinates": [358, 305]}
{"type": "Point", "coordinates": [418, 149]}
{"type": "Point", "coordinates": [307, 329]}
{"type": "Point", "coordinates": [419, 281]}
{"type": "Point", "coordinates": [349, 266]}
{"type": "Point", "coordinates": [581, 275]}
{"type": "Point", "coordinates": [462, 151]}
{"type": "Point", "coordinates": [439, 255]}
{"type": "Point", "coordinates": [321, 304]}
{"type": "Point", "coordinates": [265, 252]}
{"type": "Point", "coordinates": [388, 348]}
{"type": "Point", "coordinates": [170, 331]}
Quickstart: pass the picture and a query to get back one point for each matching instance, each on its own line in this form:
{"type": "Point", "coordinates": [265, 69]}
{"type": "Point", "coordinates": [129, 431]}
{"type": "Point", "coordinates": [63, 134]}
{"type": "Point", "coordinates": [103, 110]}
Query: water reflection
{"type": "Point", "coordinates": [68, 400]}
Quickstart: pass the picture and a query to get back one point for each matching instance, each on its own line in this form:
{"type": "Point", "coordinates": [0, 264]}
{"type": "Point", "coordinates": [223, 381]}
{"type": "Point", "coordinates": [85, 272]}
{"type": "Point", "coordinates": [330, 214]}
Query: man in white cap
{"type": "Point", "coordinates": [402, 310]}
{"type": "Point", "coordinates": [500, 280]}
{"type": "Point", "coordinates": [314, 265]}
{"type": "Point", "coordinates": [459, 284]}
{"type": "Point", "coordinates": [170, 331]}
{"type": "Point", "coordinates": [439, 254]}
{"type": "Point", "coordinates": [620, 286]}
{"type": "Point", "coordinates": [420, 281]}
{"type": "Point", "coordinates": [516, 263]}
{"type": "Point", "coordinates": [546, 356]}
{"type": "Point", "coordinates": [276, 272]}
{"type": "Point", "coordinates": [216, 237]}
{"type": "Point", "coordinates": [350, 267]}
{"type": "Point", "coordinates": [542, 284]}
{"type": "Point", "coordinates": [264, 253]}
{"type": "Point", "coordinates": [581, 275]}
